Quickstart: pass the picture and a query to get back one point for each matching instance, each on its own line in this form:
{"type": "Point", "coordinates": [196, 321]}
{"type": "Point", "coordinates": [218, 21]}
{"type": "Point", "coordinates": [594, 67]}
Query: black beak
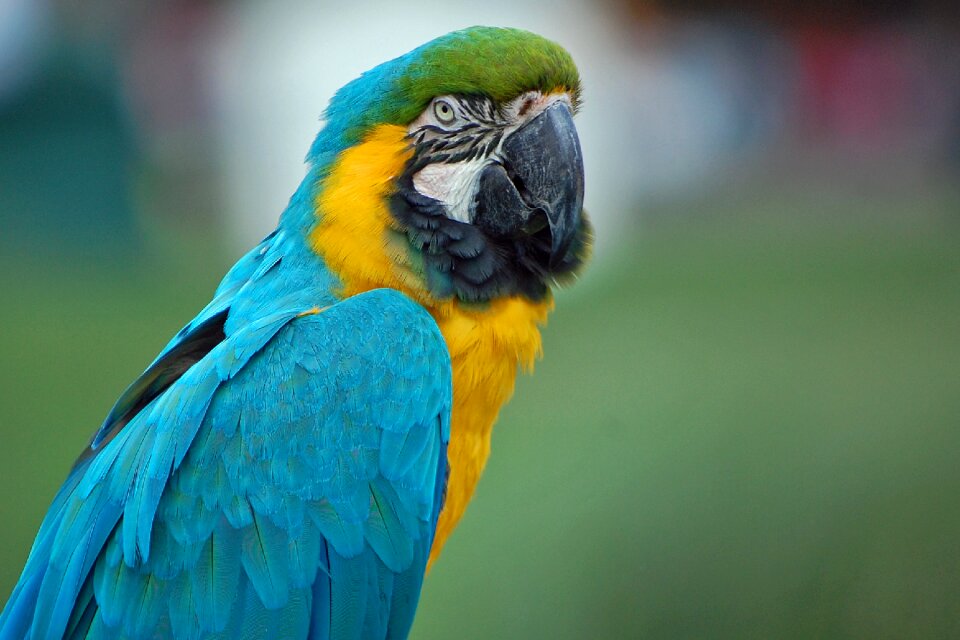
{"type": "Point", "coordinates": [539, 185]}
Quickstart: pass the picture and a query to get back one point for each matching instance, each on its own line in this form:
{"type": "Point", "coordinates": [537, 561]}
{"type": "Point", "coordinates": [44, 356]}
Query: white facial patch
{"type": "Point", "coordinates": [454, 184]}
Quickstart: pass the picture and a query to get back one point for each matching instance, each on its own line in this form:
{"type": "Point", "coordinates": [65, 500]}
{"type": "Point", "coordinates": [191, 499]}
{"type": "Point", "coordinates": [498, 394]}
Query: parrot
{"type": "Point", "coordinates": [294, 459]}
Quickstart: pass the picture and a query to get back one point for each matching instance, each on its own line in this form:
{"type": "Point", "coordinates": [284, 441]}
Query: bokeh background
{"type": "Point", "coordinates": [747, 422]}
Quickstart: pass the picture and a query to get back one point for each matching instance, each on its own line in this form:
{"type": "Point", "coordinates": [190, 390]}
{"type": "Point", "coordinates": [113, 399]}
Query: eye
{"type": "Point", "coordinates": [444, 112]}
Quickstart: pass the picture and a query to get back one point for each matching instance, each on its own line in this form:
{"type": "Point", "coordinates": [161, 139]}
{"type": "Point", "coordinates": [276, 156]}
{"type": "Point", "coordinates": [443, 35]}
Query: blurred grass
{"type": "Point", "coordinates": [744, 430]}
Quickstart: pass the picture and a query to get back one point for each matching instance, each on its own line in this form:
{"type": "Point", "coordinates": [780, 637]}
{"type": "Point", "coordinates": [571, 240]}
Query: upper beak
{"type": "Point", "coordinates": [539, 183]}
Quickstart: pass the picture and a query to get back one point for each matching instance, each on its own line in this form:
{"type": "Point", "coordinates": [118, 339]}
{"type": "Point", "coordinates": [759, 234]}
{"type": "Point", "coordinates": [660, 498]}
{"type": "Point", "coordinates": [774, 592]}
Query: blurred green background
{"type": "Point", "coordinates": [747, 420]}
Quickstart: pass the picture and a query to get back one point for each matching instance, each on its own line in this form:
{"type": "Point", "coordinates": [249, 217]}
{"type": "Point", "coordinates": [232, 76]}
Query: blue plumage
{"type": "Point", "coordinates": [281, 484]}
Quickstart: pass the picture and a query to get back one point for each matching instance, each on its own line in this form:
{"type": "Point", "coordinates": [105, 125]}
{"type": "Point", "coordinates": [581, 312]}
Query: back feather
{"type": "Point", "coordinates": [287, 484]}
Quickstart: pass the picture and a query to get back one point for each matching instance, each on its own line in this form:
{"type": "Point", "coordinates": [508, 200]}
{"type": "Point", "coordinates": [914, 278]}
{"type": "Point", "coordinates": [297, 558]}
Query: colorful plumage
{"type": "Point", "coordinates": [296, 455]}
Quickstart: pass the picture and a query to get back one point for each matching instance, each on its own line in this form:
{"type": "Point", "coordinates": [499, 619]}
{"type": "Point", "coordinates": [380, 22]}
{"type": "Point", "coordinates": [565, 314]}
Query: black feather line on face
{"type": "Point", "coordinates": [463, 260]}
{"type": "Point", "coordinates": [459, 258]}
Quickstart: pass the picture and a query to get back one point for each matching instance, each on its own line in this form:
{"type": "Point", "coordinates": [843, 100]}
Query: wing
{"type": "Point", "coordinates": [286, 485]}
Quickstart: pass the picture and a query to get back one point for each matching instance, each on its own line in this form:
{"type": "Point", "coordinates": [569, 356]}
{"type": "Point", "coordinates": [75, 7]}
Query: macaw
{"type": "Point", "coordinates": [300, 450]}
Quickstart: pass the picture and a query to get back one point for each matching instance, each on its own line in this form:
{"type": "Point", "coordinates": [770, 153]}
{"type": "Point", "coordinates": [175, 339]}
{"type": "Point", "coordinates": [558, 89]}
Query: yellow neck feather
{"type": "Point", "coordinates": [358, 239]}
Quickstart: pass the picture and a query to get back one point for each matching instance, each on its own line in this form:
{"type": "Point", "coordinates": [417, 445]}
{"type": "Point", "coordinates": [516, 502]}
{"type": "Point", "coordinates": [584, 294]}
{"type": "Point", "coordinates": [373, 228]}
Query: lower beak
{"type": "Point", "coordinates": [538, 185]}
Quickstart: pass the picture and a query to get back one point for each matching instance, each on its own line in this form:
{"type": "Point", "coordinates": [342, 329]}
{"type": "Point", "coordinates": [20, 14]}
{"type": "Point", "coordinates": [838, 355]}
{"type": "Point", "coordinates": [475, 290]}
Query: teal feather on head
{"type": "Point", "coordinates": [497, 62]}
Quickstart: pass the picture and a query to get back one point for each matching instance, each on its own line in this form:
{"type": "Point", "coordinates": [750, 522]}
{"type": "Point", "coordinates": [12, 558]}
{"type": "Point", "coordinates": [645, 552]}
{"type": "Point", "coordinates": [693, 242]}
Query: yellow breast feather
{"type": "Point", "coordinates": [359, 241]}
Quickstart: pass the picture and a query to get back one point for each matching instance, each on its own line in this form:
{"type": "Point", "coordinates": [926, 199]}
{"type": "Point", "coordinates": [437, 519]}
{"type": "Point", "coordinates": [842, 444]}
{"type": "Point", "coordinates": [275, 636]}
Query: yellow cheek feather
{"type": "Point", "coordinates": [353, 215]}
{"type": "Point", "coordinates": [487, 343]}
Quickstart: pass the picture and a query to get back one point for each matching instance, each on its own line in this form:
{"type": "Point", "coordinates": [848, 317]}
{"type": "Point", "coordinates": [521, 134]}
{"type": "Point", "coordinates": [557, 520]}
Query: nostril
{"type": "Point", "coordinates": [525, 107]}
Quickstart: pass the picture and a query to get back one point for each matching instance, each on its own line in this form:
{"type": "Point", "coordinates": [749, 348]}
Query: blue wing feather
{"type": "Point", "coordinates": [286, 481]}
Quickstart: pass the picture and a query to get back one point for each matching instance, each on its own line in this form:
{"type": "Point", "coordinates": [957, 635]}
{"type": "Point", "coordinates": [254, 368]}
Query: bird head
{"type": "Point", "coordinates": [454, 172]}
